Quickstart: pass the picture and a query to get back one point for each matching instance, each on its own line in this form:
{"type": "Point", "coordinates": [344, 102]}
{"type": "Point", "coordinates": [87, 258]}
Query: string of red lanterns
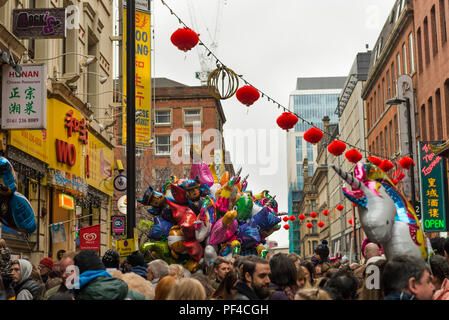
{"type": "Point", "coordinates": [286, 124]}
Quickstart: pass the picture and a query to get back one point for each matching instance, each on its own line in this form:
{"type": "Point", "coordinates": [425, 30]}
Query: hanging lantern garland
{"type": "Point", "coordinates": [285, 218]}
{"type": "Point", "coordinates": [292, 218]}
{"type": "Point", "coordinates": [375, 160]}
{"type": "Point", "coordinates": [222, 83]}
{"type": "Point", "coordinates": [336, 148]}
{"type": "Point", "coordinates": [286, 227]}
{"type": "Point", "coordinates": [321, 224]}
{"type": "Point", "coordinates": [247, 95]}
{"type": "Point", "coordinates": [313, 214]}
{"type": "Point", "coordinates": [386, 165]}
{"type": "Point", "coordinates": [287, 120]}
{"type": "Point", "coordinates": [309, 225]}
{"type": "Point", "coordinates": [313, 135]}
{"type": "Point", "coordinates": [353, 155]}
{"type": "Point", "coordinates": [185, 39]}
{"type": "Point", "coordinates": [301, 217]}
{"type": "Point", "coordinates": [406, 162]}
{"type": "Point", "coordinates": [340, 207]}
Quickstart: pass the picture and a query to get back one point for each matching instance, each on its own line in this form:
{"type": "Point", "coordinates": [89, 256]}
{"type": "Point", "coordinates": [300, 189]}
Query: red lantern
{"type": "Point", "coordinates": [336, 147]}
{"type": "Point", "coordinates": [309, 225]}
{"type": "Point", "coordinates": [247, 95]}
{"type": "Point", "coordinates": [353, 155]}
{"type": "Point", "coordinates": [287, 120]}
{"type": "Point", "coordinates": [313, 214]}
{"type": "Point", "coordinates": [350, 221]}
{"type": "Point", "coordinates": [340, 207]}
{"type": "Point", "coordinates": [321, 224]}
{"type": "Point", "coordinates": [386, 165]}
{"type": "Point", "coordinates": [406, 162]}
{"type": "Point", "coordinates": [185, 39]}
{"type": "Point", "coordinates": [285, 218]}
{"type": "Point", "coordinates": [286, 227]}
{"type": "Point", "coordinates": [354, 205]}
{"type": "Point", "coordinates": [326, 212]}
{"type": "Point", "coordinates": [301, 217]}
{"type": "Point", "coordinates": [313, 135]}
{"type": "Point", "coordinates": [375, 160]}
{"type": "Point", "coordinates": [292, 218]}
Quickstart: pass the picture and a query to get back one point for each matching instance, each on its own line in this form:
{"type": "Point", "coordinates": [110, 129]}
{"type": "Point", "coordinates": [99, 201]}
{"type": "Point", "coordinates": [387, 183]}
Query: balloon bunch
{"type": "Point", "coordinates": [198, 219]}
{"type": "Point", "coordinates": [16, 212]}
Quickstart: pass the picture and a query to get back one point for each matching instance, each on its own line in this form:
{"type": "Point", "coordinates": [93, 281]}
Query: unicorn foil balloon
{"type": "Point", "coordinates": [385, 214]}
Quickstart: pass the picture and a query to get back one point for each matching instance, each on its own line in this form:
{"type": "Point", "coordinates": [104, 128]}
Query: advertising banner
{"type": "Point", "coordinates": [433, 188]}
{"type": "Point", "coordinates": [90, 238]}
{"type": "Point", "coordinates": [24, 97]}
{"type": "Point", "coordinates": [143, 75]}
{"type": "Point", "coordinates": [118, 225]}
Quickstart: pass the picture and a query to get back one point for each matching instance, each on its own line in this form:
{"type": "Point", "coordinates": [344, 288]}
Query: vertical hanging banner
{"type": "Point", "coordinates": [143, 73]}
{"type": "Point", "coordinates": [433, 188]}
{"type": "Point", "coordinates": [90, 238]}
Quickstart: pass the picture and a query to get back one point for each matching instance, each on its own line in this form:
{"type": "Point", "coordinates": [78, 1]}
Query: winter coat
{"type": "Point", "coordinates": [99, 285]}
{"type": "Point", "coordinates": [244, 292]}
{"type": "Point", "coordinates": [400, 296]}
{"type": "Point", "coordinates": [443, 292]}
{"type": "Point", "coordinates": [139, 270]}
{"type": "Point", "coordinates": [26, 288]}
{"type": "Point", "coordinates": [278, 293]}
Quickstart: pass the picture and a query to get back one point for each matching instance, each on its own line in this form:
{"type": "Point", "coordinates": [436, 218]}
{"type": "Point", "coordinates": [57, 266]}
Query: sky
{"type": "Point", "coordinates": [270, 43]}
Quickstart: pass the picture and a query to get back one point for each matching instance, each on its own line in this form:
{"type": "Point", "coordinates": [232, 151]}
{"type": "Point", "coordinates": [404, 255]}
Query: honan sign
{"type": "Point", "coordinates": [39, 23]}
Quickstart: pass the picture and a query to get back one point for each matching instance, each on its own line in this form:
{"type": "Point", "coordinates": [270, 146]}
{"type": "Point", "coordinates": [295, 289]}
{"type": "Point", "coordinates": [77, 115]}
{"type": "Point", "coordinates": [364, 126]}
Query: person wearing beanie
{"type": "Point", "coordinates": [136, 263]}
{"type": "Point", "coordinates": [111, 260]}
{"type": "Point", "coordinates": [45, 267]}
{"type": "Point", "coordinates": [25, 288]}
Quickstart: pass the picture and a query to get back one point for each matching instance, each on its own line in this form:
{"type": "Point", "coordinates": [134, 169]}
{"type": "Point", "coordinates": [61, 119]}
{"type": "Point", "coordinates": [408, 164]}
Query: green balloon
{"type": "Point", "coordinates": [156, 249]}
{"type": "Point", "coordinates": [244, 206]}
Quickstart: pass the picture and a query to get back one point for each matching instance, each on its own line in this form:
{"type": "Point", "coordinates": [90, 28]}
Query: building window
{"type": "Point", "coordinates": [423, 122]}
{"type": "Point", "coordinates": [188, 140]}
{"type": "Point", "coordinates": [377, 145]}
{"type": "Point", "coordinates": [443, 26]}
{"type": "Point", "coordinates": [412, 56]}
{"type": "Point", "coordinates": [163, 145]}
{"type": "Point", "coordinates": [446, 105]}
{"type": "Point", "coordinates": [379, 103]}
{"type": "Point", "coordinates": [391, 138]}
{"type": "Point", "coordinates": [420, 53]}
{"type": "Point", "coordinates": [386, 141]}
{"type": "Point", "coordinates": [373, 107]}
{"type": "Point", "coordinates": [393, 79]}
{"type": "Point", "coordinates": [438, 113]}
{"type": "Point", "coordinates": [396, 133]}
{"type": "Point", "coordinates": [388, 85]}
{"type": "Point", "coordinates": [426, 40]}
{"type": "Point", "coordinates": [162, 117]}
{"type": "Point", "coordinates": [191, 116]}
{"type": "Point", "coordinates": [404, 54]}
{"type": "Point", "coordinates": [310, 152]}
{"type": "Point", "coordinates": [430, 116]}
{"type": "Point", "coordinates": [433, 20]}
{"type": "Point", "coordinates": [398, 59]}
{"type": "Point", "coordinates": [381, 141]}
{"type": "Point", "coordinates": [310, 170]}
{"type": "Point", "coordinates": [314, 245]}
{"type": "Point", "coordinates": [299, 149]}
{"type": "Point", "coordinates": [383, 94]}
{"type": "Point", "coordinates": [315, 227]}
{"type": "Point", "coordinates": [376, 106]}
{"type": "Point", "coordinates": [313, 205]}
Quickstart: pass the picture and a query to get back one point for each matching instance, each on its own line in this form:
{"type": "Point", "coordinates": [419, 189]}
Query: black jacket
{"type": "Point", "coordinates": [244, 292]}
{"type": "Point", "coordinates": [32, 286]}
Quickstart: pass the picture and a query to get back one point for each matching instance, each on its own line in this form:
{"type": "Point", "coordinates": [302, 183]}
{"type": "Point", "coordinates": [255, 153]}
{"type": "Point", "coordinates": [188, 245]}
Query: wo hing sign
{"type": "Point", "coordinates": [433, 187]}
{"type": "Point", "coordinates": [90, 238]}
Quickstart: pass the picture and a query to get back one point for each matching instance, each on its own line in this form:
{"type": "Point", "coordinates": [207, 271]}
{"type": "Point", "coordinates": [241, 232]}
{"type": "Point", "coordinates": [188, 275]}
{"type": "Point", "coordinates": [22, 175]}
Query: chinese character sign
{"type": "Point", "coordinates": [142, 78]}
{"type": "Point", "coordinates": [24, 97]}
{"type": "Point", "coordinates": [433, 189]}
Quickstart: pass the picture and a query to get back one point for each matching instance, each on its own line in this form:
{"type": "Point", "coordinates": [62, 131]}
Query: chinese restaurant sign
{"type": "Point", "coordinates": [39, 23]}
{"type": "Point", "coordinates": [24, 97]}
{"type": "Point", "coordinates": [433, 188]}
{"type": "Point", "coordinates": [143, 74]}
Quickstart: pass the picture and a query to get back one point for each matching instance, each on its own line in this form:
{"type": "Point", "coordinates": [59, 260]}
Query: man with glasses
{"type": "Point", "coordinates": [67, 269]}
{"type": "Point", "coordinates": [45, 268]}
{"type": "Point", "coordinates": [25, 287]}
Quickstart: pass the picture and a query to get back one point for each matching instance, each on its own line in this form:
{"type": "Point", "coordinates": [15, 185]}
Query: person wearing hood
{"type": "Point", "coordinates": [136, 263]}
{"type": "Point", "coordinates": [94, 282]}
{"type": "Point", "coordinates": [24, 286]}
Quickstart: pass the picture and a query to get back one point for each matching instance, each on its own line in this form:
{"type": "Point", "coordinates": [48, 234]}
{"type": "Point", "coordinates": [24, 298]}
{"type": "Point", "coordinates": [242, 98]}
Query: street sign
{"type": "Point", "coordinates": [433, 188]}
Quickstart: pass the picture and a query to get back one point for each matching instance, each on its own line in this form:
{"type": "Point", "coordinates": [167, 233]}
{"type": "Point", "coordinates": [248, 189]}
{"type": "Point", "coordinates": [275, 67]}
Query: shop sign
{"type": "Point", "coordinates": [433, 188]}
{"type": "Point", "coordinates": [67, 180]}
{"type": "Point", "coordinates": [126, 247]}
{"type": "Point", "coordinates": [90, 238]}
{"type": "Point", "coordinates": [120, 182]}
{"type": "Point", "coordinates": [24, 97]}
{"type": "Point", "coordinates": [39, 23]}
{"type": "Point", "coordinates": [118, 225]}
{"type": "Point", "coordinates": [66, 202]}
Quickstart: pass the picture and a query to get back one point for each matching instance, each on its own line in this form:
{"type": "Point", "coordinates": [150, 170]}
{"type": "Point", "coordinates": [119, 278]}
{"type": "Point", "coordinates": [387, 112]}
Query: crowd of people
{"type": "Point", "coordinates": [87, 276]}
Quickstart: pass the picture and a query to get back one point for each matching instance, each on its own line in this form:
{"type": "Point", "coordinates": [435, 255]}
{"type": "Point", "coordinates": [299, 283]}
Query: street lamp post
{"type": "Point", "coordinates": [396, 101]}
